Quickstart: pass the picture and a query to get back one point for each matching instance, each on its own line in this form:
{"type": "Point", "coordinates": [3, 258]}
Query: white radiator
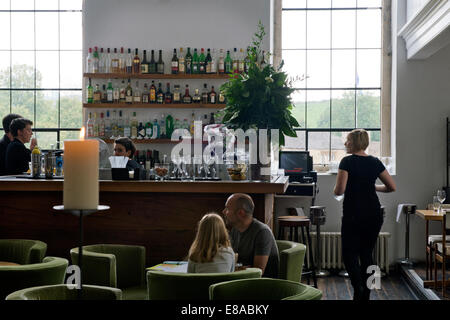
{"type": "Point", "coordinates": [331, 251]}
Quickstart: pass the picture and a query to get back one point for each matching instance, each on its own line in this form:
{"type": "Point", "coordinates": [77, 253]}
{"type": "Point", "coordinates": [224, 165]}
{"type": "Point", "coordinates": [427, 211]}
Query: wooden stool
{"type": "Point", "coordinates": [295, 222]}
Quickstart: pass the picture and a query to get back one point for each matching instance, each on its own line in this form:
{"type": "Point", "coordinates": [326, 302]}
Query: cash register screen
{"type": "Point", "coordinates": [294, 162]}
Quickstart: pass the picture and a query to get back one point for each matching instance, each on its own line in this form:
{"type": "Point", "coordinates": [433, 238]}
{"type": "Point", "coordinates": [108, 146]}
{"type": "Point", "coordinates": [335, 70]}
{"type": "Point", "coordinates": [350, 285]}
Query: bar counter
{"type": "Point", "coordinates": [162, 216]}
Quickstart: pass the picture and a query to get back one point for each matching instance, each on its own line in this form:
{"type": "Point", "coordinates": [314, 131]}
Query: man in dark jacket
{"type": "Point", "coordinates": [7, 138]}
{"type": "Point", "coordinates": [17, 155]}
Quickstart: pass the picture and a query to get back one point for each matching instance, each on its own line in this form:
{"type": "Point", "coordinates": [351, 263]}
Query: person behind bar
{"type": "Point", "coordinates": [251, 239]}
{"type": "Point", "coordinates": [362, 218]}
{"type": "Point", "coordinates": [211, 250]}
{"type": "Point", "coordinates": [126, 148]}
{"type": "Point", "coordinates": [7, 138]}
{"type": "Point", "coordinates": [17, 155]}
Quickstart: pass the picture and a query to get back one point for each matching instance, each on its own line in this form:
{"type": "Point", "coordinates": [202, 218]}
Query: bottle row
{"type": "Point", "coordinates": [210, 62]}
{"type": "Point", "coordinates": [148, 158]}
{"type": "Point", "coordinates": [151, 94]}
{"type": "Point", "coordinates": [118, 124]}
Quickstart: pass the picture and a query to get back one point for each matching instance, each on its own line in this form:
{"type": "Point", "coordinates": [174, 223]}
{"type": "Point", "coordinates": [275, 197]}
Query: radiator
{"type": "Point", "coordinates": [331, 251]}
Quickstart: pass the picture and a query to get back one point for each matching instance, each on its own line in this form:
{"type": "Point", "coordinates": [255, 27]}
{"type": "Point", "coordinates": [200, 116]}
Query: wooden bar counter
{"type": "Point", "coordinates": [162, 216]}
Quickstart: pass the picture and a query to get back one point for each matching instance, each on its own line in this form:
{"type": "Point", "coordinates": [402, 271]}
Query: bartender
{"type": "Point", "coordinates": [7, 138]}
{"type": "Point", "coordinates": [17, 155]}
{"type": "Point", "coordinates": [125, 147]}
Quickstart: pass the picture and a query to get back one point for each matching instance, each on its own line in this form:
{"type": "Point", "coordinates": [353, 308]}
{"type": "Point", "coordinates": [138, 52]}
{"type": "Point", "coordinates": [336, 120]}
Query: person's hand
{"type": "Point", "coordinates": [33, 143]}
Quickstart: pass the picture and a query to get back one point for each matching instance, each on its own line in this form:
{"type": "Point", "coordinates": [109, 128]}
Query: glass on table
{"type": "Point", "coordinates": [436, 204]}
{"type": "Point", "coordinates": [161, 170]}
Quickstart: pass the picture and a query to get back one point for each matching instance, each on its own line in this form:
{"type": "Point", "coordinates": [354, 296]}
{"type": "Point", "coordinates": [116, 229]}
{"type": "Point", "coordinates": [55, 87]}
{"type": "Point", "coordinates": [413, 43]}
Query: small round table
{"type": "Point", "coordinates": [8, 264]}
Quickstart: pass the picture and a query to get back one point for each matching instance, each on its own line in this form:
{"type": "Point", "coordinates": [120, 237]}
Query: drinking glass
{"type": "Point", "coordinates": [161, 170]}
{"type": "Point", "coordinates": [436, 203]}
{"type": "Point", "coordinates": [441, 197]}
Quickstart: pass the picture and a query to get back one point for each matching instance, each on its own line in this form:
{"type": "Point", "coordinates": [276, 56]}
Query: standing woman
{"type": "Point", "coordinates": [362, 218]}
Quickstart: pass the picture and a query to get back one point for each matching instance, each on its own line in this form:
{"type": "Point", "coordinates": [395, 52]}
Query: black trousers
{"type": "Point", "coordinates": [359, 237]}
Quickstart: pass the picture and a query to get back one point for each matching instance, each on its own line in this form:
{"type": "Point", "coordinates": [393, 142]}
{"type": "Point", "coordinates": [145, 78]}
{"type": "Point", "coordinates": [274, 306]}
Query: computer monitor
{"type": "Point", "coordinates": [295, 162]}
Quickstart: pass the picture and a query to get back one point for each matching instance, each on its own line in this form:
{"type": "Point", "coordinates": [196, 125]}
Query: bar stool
{"type": "Point", "coordinates": [407, 210]}
{"type": "Point", "coordinates": [293, 222]}
{"type": "Point", "coordinates": [317, 216]}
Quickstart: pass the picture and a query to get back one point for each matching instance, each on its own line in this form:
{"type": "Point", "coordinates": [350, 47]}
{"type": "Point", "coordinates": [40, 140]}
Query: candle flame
{"type": "Point", "coordinates": [82, 132]}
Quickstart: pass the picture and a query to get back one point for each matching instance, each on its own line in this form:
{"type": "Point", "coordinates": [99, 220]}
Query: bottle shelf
{"type": "Point", "coordinates": [152, 141]}
{"type": "Point", "coordinates": [155, 76]}
{"type": "Point", "coordinates": [155, 105]}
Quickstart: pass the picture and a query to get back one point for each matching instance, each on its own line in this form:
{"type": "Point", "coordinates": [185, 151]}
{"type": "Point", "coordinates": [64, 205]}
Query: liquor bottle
{"type": "Point", "coordinates": [221, 63]}
{"type": "Point", "coordinates": [145, 94]}
{"type": "Point", "coordinates": [152, 97]}
{"type": "Point", "coordinates": [114, 128]}
{"type": "Point", "coordinates": [195, 62]}
{"type": "Point", "coordinates": [101, 62]}
{"type": "Point", "coordinates": [205, 93]}
{"type": "Point", "coordinates": [235, 61]}
{"type": "Point", "coordinates": [123, 92]}
{"type": "Point", "coordinates": [185, 124]}
{"type": "Point", "coordinates": [104, 94]}
{"type": "Point", "coordinates": [159, 95]}
{"type": "Point", "coordinates": [122, 64]}
{"type": "Point", "coordinates": [241, 62]}
{"type": "Point", "coordinates": [108, 61]}
{"type": "Point", "coordinates": [187, 98]}
{"type": "Point", "coordinates": [95, 126]}
{"type": "Point", "coordinates": [90, 92]}
{"type": "Point", "coordinates": [101, 126]}
{"type": "Point", "coordinates": [152, 65]}
{"type": "Point", "coordinates": [214, 61]}
{"type": "Point", "coordinates": [129, 62]}
{"type": "Point", "coordinates": [177, 124]}
{"type": "Point", "coordinates": [90, 126]}
{"type": "Point", "coordinates": [221, 98]}
{"type": "Point", "coordinates": [116, 94]}
{"type": "Point", "coordinates": [129, 93]}
{"type": "Point", "coordinates": [109, 92]}
{"type": "Point", "coordinates": [228, 63]}
{"type": "Point", "coordinates": [95, 61]}
{"type": "Point", "coordinates": [168, 95]}
{"type": "Point", "coordinates": [89, 58]}
{"type": "Point", "coordinates": [174, 62]}
{"type": "Point", "coordinates": [202, 62]}
{"type": "Point", "coordinates": [176, 94]}
{"type": "Point", "coordinates": [162, 127]}
{"type": "Point", "coordinates": [148, 160]}
{"type": "Point", "coordinates": [156, 131]}
{"type": "Point", "coordinates": [148, 130]}
{"type": "Point", "coordinates": [144, 64]}
{"type": "Point", "coordinates": [134, 126]}
{"type": "Point", "coordinates": [136, 156]}
{"type": "Point", "coordinates": [208, 61]}
{"type": "Point", "coordinates": [115, 62]}
{"type": "Point", "coordinates": [247, 61]}
{"type": "Point", "coordinates": [263, 62]}
{"type": "Point", "coordinates": [136, 63]}
{"type": "Point", "coordinates": [212, 96]}
{"type": "Point", "coordinates": [137, 94]}
{"type": "Point", "coordinates": [160, 65]}
{"type": "Point", "coordinates": [141, 131]}
{"type": "Point", "coordinates": [191, 126]}
{"type": "Point", "coordinates": [188, 62]}
{"type": "Point", "coordinates": [127, 128]}
{"type": "Point", "coordinates": [196, 98]}
{"type": "Point", "coordinates": [181, 61]}
{"type": "Point", "coordinates": [108, 128]}
{"type": "Point", "coordinates": [211, 120]}
{"type": "Point", "coordinates": [120, 125]}
{"type": "Point", "coordinates": [169, 126]}
{"type": "Point", "coordinates": [204, 122]}
{"type": "Point", "coordinates": [97, 94]}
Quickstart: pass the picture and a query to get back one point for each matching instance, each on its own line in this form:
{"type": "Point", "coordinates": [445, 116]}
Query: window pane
{"type": "Point", "coordinates": [70, 32]}
{"type": "Point", "coordinates": [319, 147]}
{"type": "Point", "coordinates": [369, 28]}
{"type": "Point", "coordinates": [343, 29]}
{"type": "Point", "coordinates": [337, 146]}
{"type": "Point", "coordinates": [71, 109]}
{"type": "Point", "coordinates": [46, 109]}
{"type": "Point", "coordinates": [344, 3]}
{"type": "Point", "coordinates": [68, 135]}
{"type": "Point", "coordinates": [298, 143]}
{"type": "Point", "coordinates": [46, 139]}
{"type": "Point", "coordinates": [295, 65]}
{"type": "Point", "coordinates": [318, 29]}
{"type": "Point", "coordinates": [47, 31]}
{"type": "Point", "coordinates": [22, 30]}
{"type": "Point", "coordinates": [22, 5]}
{"type": "Point", "coordinates": [23, 69]}
{"type": "Point", "coordinates": [343, 70]}
{"type": "Point", "coordinates": [47, 69]}
{"type": "Point", "coordinates": [6, 29]}
{"type": "Point", "coordinates": [318, 69]}
{"type": "Point", "coordinates": [46, 4]}
{"type": "Point", "coordinates": [295, 22]}
{"type": "Point", "coordinates": [4, 104]}
{"type": "Point", "coordinates": [22, 103]}
{"type": "Point", "coordinates": [5, 5]}
{"type": "Point", "coordinates": [299, 103]}
{"type": "Point", "coordinates": [294, 3]}
{"type": "Point", "coordinates": [319, 3]}
{"type": "Point", "coordinates": [318, 108]}
{"type": "Point", "coordinates": [368, 109]}
{"type": "Point", "coordinates": [70, 4]}
{"type": "Point", "coordinates": [71, 69]}
{"type": "Point", "coordinates": [368, 68]}
{"type": "Point", "coordinates": [4, 69]}
{"type": "Point", "coordinates": [343, 109]}
{"type": "Point", "coordinates": [374, 148]}
{"type": "Point", "coordinates": [369, 3]}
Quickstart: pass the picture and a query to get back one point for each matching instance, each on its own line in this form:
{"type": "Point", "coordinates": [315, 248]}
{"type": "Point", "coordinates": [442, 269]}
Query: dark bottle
{"type": "Point", "coordinates": [160, 64]}
{"type": "Point", "coordinates": [144, 64]}
{"type": "Point", "coordinates": [211, 120]}
{"type": "Point", "coordinates": [148, 160]}
{"type": "Point", "coordinates": [136, 156]}
{"type": "Point", "coordinates": [104, 95]}
{"type": "Point", "coordinates": [188, 62]}
{"type": "Point", "coordinates": [159, 95]}
{"type": "Point", "coordinates": [205, 93]}
{"type": "Point", "coordinates": [209, 62]}
{"type": "Point", "coordinates": [168, 94]}
{"type": "Point", "coordinates": [195, 62]}
{"type": "Point", "coordinates": [187, 98]}
{"type": "Point", "coordinates": [174, 62]}
{"type": "Point", "coordinates": [212, 96]}
{"type": "Point", "coordinates": [136, 62]}
{"type": "Point", "coordinates": [152, 97]}
{"type": "Point", "coordinates": [152, 64]}
{"type": "Point", "coordinates": [202, 62]}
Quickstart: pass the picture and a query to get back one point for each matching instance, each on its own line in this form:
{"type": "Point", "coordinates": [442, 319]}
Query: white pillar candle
{"type": "Point", "coordinates": [81, 173]}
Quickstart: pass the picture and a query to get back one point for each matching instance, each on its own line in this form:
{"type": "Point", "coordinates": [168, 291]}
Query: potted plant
{"type": "Point", "coordinates": [259, 98]}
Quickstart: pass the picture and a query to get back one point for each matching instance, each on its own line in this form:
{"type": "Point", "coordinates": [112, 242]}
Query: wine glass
{"type": "Point", "coordinates": [161, 170]}
{"type": "Point", "coordinates": [441, 197]}
{"type": "Point", "coordinates": [436, 204]}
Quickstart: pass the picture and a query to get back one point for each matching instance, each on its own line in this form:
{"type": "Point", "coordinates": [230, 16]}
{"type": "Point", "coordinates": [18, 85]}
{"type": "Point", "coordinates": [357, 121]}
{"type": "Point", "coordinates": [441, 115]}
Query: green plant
{"type": "Point", "coordinates": [260, 98]}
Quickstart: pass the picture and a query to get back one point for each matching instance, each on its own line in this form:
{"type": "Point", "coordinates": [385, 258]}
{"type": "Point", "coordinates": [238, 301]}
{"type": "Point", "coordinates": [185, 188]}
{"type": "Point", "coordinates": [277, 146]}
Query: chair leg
{"type": "Point", "coordinates": [291, 233]}
{"type": "Point", "coordinates": [427, 264]}
{"type": "Point", "coordinates": [303, 235]}
{"type": "Point", "coordinates": [296, 234]}
{"type": "Point", "coordinates": [443, 275]}
{"type": "Point", "coordinates": [435, 272]}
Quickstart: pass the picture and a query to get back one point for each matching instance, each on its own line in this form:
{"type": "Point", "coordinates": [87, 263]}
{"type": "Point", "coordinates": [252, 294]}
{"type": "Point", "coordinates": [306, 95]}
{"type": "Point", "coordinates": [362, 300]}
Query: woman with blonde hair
{"type": "Point", "coordinates": [362, 218]}
{"type": "Point", "coordinates": [211, 250]}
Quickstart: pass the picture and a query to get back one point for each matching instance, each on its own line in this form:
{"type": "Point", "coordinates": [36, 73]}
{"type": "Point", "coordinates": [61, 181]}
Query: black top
{"type": "Point", "coordinates": [361, 199]}
{"type": "Point", "coordinates": [17, 158]}
{"type": "Point", "coordinates": [4, 142]}
{"type": "Point", "coordinates": [132, 164]}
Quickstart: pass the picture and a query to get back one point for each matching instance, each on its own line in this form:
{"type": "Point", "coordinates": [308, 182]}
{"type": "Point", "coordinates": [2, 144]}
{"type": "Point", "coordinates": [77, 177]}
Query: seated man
{"type": "Point", "coordinates": [251, 239]}
{"type": "Point", "coordinates": [17, 155]}
{"type": "Point", "coordinates": [7, 138]}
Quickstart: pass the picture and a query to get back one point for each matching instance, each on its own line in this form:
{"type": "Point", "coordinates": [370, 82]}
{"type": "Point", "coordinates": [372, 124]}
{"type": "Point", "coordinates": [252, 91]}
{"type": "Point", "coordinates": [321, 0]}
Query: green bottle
{"type": "Point", "coordinates": [202, 62]}
{"type": "Point", "coordinates": [228, 63]}
{"type": "Point", "coordinates": [169, 126]}
{"type": "Point", "coordinates": [90, 90]}
{"type": "Point", "coordinates": [148, 130]}
{"type": "Point", "coordinates": [195, 62]}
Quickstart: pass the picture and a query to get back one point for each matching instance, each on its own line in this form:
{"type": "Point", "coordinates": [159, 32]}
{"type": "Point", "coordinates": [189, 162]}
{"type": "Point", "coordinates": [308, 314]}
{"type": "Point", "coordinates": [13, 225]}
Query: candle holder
{"type": "Point", "coordinates": [80, 213]}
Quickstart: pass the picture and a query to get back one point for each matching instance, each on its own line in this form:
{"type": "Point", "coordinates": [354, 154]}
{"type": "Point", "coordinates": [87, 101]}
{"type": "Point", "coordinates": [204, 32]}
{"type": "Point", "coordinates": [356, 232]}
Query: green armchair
{"type": "Point", "coordinates": [22, 251]}
{"type": "Point", "coordinates": [292, 256]}
{"type": "Point", "coordinates": [52, 270]}
{"type": "Point", "coordinates": [116, 266]}
{"type": "Point", "coordinates": [164, 285]}
{"type": "Point", "coordinates": [65, 292]}
{"type": "Point", "coordinates": [263, 289]}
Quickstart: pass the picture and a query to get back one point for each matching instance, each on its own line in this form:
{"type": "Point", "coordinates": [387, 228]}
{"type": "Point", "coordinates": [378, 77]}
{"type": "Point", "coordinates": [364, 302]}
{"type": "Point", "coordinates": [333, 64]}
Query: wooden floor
{"type": "Point", "coordinates": [335, 287]}
{"type": "Point", "coordinates": [421, 272]}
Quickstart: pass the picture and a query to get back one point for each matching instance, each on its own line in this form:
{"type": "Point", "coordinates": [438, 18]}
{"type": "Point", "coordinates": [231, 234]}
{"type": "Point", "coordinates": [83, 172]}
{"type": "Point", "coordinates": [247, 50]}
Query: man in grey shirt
{"type": "Point", "coordinates": [251, 239]}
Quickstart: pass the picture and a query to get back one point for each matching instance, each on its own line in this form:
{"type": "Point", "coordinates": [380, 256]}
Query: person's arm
{"type": "Point", "coordinates": [260, 262]}
{"type": "Point", "coordinates": [341, 182]}
{"type": "Point", "coordinates": [388, 183]}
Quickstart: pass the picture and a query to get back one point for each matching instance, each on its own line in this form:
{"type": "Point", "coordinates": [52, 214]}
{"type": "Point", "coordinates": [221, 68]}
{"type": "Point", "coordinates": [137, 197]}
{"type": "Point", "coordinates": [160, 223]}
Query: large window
{"type": "Point", "coordinates": [41, 66]}
{"type": "Point", "coordinates": [336, 45]}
